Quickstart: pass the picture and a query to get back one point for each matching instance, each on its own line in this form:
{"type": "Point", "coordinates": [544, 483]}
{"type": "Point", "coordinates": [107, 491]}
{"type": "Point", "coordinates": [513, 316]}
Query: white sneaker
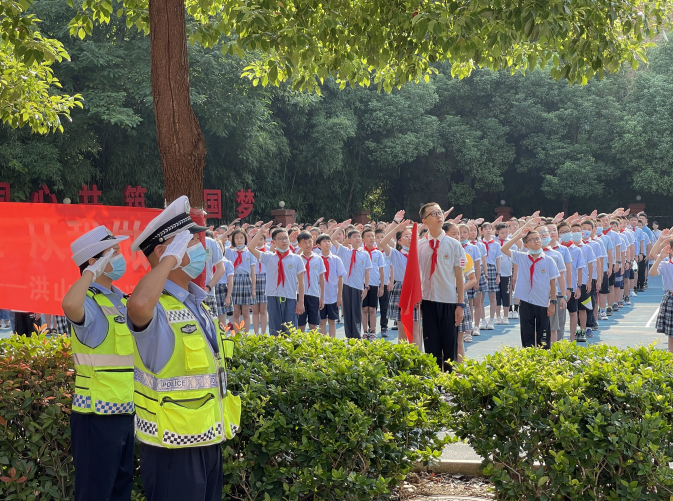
{"type": "Point", "coordinates": [633, 294]}
{"type": "Point", "coordinates": [603, 316]}
{"type": "Point", "coordinates": [497, 321]}
{"type": "Point", "coordinates": [482, 324]}
{"type": "Point", "coordinates": [510, 314]}
{"type": "Point", "coordinates": [475, 331]}
{"type": "Point", "coordinates": [467, 338]}
{"type": "Point", "coordinates": [505, 321]}
{"type": "Point", "coordinates": [489, 325]}
{"type": "Point", "coordinates": [516, 314]}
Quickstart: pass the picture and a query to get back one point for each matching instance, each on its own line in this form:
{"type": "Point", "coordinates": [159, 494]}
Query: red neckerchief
{"type": "Point", "coordinates": [532, 267]}
{"type": "Point", "coordinates": [281, 269]}
{"type": "Point", "coordinates": [605, 232]}
{"type": "Point", "coordinates": [308, 268]}
{"type": "Point", "coordinates": [586, 241]}
{"type": "Point", "coordinates": [487, 244]}
{"type": "Point", "coordinates": [622, 231]}
{"type": "Point", "coordinates": [579, 244]}
{"type": "Point", "coordinates": [433, 262]}
{"type": "Point", "coordinates": [293, 248]}
{"type": "Point", "coordinates": [239, 259]}
{"type": "Point", "coordinates": [569, 244]}
{"type": "Point", "coordinates": [353, 259]}
{"type": "Point", "coordinates": [370, 252]}
{"type": "Point", "coordinates": [326, 261]}
{"type": "Point", "coordinates": [502, 242]}
{"type": "Point", "coordinates": [259, 263]}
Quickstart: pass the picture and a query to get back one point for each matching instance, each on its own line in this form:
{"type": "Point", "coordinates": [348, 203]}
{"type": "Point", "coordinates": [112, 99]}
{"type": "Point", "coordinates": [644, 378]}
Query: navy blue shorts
{"type": "Point", "coordinates": [311, 311]}
{"type": "Point", "coordinates": [330, 312]}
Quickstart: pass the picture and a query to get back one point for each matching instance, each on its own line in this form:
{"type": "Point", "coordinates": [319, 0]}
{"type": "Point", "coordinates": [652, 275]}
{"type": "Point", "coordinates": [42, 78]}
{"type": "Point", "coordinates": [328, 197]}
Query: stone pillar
{"type": "Point", "coordinates": [284, 216]}
{"type": "Point", "coordinates": [361, 217]}
{"type": "Point", "coordinates": [505, 212]}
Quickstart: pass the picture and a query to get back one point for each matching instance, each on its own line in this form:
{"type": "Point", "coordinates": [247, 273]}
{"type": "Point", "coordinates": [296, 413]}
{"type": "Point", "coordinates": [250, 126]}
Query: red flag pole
{"type": "Point", "coordinates": [411, 293]}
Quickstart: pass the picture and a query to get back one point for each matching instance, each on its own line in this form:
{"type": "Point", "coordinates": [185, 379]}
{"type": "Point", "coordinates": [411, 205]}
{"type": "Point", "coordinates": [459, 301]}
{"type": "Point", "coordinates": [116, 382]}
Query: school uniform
{"type": "Point", "coordinates": [493, 254]}
{"type": "Point", "coordinates": [557, 321]}
{"type": "Point", "coordinates": [577, 263]}
{"type": "Point", "coordinates": [384, 300]}
{"type": "Point", "coordinates": [260, 277]}
{"type": "Point", "coordinates": [398, 259]}
{"type": "Point", "coordinates": [600, 253]}
{"type": "Point", "coordinates": [475, 254]}
{"type": "Point", "coordinates": [609, 247]}
{"type": "Point", "coordinates": [372, 298]}
{"type": "Point", "coordinates": [314, 268]}
{"type": "Point", "coordinates": [483, 281]}
{"type": "Point", "coordinates": [221, 289]}
{"type": "Point", "coordinates": [438, 258]}
{"type": "Point", "coordinates": [466, 324]}
{"type": "Point", "coordinates": [283, 272]}
{"type": "Point", "coordinates": [619, 279]}
{"type": "Point", "coordinates": [665, 317]}
{"type": "Point", "coordinates": [585, 301]}
{"type": "Point", "coordinates": [502, 295]}
{"type": "Point", "coordinates": [215, 257]}
{"type": "Point", "coordinates": [356, 263]}
{"type": "Point", "coordinates": [242, 260]}
{"type": "Point", "coordinates": [533, 289]}
{"type": "Point", "coordinates": [334, 269]}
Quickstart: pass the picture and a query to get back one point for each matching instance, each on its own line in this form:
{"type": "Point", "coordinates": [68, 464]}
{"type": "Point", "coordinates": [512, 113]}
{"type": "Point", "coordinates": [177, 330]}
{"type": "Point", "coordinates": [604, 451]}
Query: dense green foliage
{"type": "Point", "coordinates": [470, 143]}
{"type": "Point", "coordinates": [321, 418]}
{"type": "Point", "coordinates": [576, 423]}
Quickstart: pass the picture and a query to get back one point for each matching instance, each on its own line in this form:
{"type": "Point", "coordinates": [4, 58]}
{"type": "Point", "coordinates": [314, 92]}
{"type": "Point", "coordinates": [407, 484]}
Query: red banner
{"type": "Point", "coordinates": [37, 267]}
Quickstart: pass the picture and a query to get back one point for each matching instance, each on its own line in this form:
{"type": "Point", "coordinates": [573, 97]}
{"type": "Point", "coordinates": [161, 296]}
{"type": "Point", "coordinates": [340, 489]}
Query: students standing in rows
{"type": "Point", "coordinates": [584, 302]}
{"type": "Point", "coordinates": [557, 320]}
{"type": "Point", "coordinates": [376, 282]}
{"type": "Point", "coordinates": [578, 270]}
{"type": "Point", "coordinates": [314, 283]}
{"type": "Point", "coordinates": [387, 285]}
{"type": "Point", "coordinates": [334, 273]}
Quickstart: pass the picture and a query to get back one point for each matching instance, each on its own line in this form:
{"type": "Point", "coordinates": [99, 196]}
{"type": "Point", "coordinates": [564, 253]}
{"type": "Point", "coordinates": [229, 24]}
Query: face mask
{"type": "Point", "coordinates": [463, 241]}
{"type": "Point", "coordinates": [546, 241]}
{"type": "Point", "coordinates": [118, 268]}
{"type": "Point", "coordinates": [534, 252]}
{"type": "Point", "coordinates": [577, 236]}
{"type": "Point", "coordinates": [240, 247]}
{"type": "Point", "coordinates": [268, 240]}
{"type": "Point", "coordinates": [599, 230]}
{"type": "Point", "coordinates": [404, 247]}
{"type": "Point", "coordinates": [566, 237]}
{"type": "Point", "coordinates": [586, 234]}
{"type": "Point", "coordinates": [197, 261]}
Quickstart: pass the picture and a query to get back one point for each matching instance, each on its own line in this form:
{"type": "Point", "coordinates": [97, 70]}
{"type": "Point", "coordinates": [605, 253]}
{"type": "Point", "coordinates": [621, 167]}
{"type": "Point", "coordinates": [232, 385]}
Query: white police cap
{"type": "Point", "coordinates": [93, 243]}
{"type": "Point", "coordinates": [173, 219]}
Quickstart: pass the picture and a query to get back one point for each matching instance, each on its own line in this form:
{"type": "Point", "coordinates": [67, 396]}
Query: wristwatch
{"type": "Point", "coordinates": [209, 287]}
{"type": "Point", "coordinates": [553, 301]}
{"type": "Point", "coordinates": [462, 305]}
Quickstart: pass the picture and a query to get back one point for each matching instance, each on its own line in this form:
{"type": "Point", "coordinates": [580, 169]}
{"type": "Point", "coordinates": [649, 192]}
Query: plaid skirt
{"type": "Point", "coordinates": [211, 302]}
{"type": "Point", "coordinates": [61, 325]}
{"type": "Point", "coordinates": [394, 312]}
{"type": "Point", "coordinates": [466, 324]}
{"type": "Point", "coordinates": [492, 277]}
{"type": "Point", "coordinates": [483, 283]}
{"type": "Point", "coordinates": [665, 317]}
{"type": "Point", "coordinates": [472, 293]}
{"type": "Point", "coordinates": [221, 294]}
{"type": "Point", "coordinates": [260, 293]}
{"type": "Point", "coordinates": [242, 291]}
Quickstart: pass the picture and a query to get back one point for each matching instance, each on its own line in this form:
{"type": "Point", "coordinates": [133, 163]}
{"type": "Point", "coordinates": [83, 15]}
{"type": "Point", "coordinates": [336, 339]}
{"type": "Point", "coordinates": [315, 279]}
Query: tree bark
{"type": "Point", "coordinates": [181, 144]}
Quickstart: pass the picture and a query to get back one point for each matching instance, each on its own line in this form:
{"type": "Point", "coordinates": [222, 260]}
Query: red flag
{"type": "Point", "coordinates": [411, 293]}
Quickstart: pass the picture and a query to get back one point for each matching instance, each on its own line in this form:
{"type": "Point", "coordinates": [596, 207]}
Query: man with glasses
{"type": "Point", "coordinates": [536, 285]}
{"type": "Point", "coordinates": [441, 260]}
{"type": "Point", "coordinates": [557, 321]}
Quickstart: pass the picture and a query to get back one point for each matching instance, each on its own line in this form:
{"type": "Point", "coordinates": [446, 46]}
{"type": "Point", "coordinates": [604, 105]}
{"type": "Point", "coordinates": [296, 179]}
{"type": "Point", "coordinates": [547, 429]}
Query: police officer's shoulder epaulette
{"type": "Point", "coordinates": [167, 293]}
{"type": "Point", "coordinates": [126, 296]}
{"type": "Point", "coordinates": [94, 291]}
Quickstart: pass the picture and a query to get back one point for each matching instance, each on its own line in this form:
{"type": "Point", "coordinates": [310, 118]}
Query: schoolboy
{"type": "Point", "coordinates": [493, 255]}
{"type": "Point", "coordinates": [376, 281]}
{"type": "Point", "coordinates": [386, 286]}
{"type": "Point", "coordinates": [314, 283]}
{"type": "Point", "coordinates": [502, 296]}
{"type": "Point", "coordinates": [578, 270]}
{"type": "Point", "coordinates": [475, 254]}
{"type": "Point", "coordinates": [616, 261]}
{"type": "Point", "coordinates": [557, 321]}
{"type": "Point", "coordinates": [584, 302]}
{"type": "Point", "coordinates": [334, 273]}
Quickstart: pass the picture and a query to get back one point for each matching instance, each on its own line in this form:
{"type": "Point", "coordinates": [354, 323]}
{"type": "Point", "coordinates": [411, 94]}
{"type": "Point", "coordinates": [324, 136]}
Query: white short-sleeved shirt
{"type": "Point", "coordinates": [589, 258]}
{"type": "Point", "coordinates": [228, 270]}
{"type": "Point", "coordinates": [378, 262]}
{"type": "Point", "coordinates": [260, 269]}
{"type": "Point", "coordinates": [386, 268]}
{"type": "Point", "coordinates": [398, 260]}
{"type": "Point", "coordinates": [599, 253]}
{"type": "Point", "coordinates": [473, 251]}
{"type": "Point", "coordinates": [293, 266]}
{"type": "Point", "coordinates": [316, 268]}
{"type": "Point", "coordinates": [609, 247]}
{"type": "Point", "coordinates": [247, 260]}
{"type": "Point", "coordinates": [355, 276]}
{"type": "Point", "coordinates": [493, 251]}
{"type": "Point", "coordinates": [215, 257]}
{"type": "Point", "coordinates": [616, 241]}
{"type": "Point", "coordinates": [560, 264]}
{"type": "Point", "coordinates": [544, 272]}
{"type": "Point", "coordinates": [505, 260]}
{"type": "Point", "coordinates": [336, 270]}
{"type": "Point", "coordinates": [441, 285]}
{"type": "Point", "coordinates": [666, 271]}
{"type": "Point", "coordinates": [577, 263]}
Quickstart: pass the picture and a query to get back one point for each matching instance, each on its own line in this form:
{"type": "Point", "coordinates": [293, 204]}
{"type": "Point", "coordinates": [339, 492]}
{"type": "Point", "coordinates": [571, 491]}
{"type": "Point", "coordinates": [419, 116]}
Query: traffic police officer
{"type": "Point", "coordinates": [184, 410]}
{"type": "Point", "coordinates": [102, 419]}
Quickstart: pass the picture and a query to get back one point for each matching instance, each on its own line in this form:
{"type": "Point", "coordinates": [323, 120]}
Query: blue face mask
{"type": "Point", "coordinates": [268, 240]}
{"type": "Point", "coordinates": [599, 230]}
{"type": "Point", "coordinates": [118, 268]}
{"type": "Point", "coordinates": [240, 247]}
{"type": "Point", "coordinates": [586, 234]}
{"type": "Point", "coordinates": [577, 236]}
{"type": "Point", "coordinates": [534, 252]}
{"type": "Point", "coordinates": [197, 261]}
{"type": "Point", "coordinates": [463, 241]}
{"type": "Point", "coordinates": [566, 237]}
{"type": "Point", "coordinates": [546, 241]}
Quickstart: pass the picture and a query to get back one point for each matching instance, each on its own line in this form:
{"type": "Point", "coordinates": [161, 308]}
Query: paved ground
{"type": "Point", "coordinates": [630, 326]}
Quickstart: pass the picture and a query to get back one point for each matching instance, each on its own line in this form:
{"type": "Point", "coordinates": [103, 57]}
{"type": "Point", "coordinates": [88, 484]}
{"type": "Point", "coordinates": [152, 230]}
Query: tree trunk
{"type": "Point", "coordinates": [181, 144]}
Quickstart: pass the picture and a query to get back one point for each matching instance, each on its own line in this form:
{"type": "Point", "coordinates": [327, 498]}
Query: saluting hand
{"type": "Point", "coordinates": [98, 268]}
{"type": "Point", "coordinates": [178, 247]}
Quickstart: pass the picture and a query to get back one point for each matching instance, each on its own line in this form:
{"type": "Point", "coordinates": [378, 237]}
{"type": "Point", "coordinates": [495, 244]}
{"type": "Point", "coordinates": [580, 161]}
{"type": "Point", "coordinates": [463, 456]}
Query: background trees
{"type": "Point", "coordinates": [470, 143]}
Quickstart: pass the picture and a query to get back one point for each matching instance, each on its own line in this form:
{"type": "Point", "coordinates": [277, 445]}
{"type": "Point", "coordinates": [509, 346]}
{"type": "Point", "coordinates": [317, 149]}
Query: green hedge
{"type": "Point", "coordinates": [322, 418]}
{"type": "Point", "coordinates": [571, 423]}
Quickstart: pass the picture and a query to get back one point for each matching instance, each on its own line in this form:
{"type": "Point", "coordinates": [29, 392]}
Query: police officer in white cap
{"type": "Point", "coordinates": [102, 419]}
{"type": "Point", "coordinates": [183, 408]}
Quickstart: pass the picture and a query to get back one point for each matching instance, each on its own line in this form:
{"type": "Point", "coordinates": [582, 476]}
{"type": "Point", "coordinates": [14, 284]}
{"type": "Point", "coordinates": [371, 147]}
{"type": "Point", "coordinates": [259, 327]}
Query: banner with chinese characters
{"type": "Point", "coordinates": [35, 250]}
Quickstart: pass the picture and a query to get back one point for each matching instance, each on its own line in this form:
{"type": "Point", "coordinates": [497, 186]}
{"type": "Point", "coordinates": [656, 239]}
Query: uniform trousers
{"type": "Point", "coordinates": [281, 311]}
{"type": "Point", "coordinates": [534, 325]}
{"type": "Point", "coordinates": [102, 451]}
{"type": "Point", "coordinates": [192, 473]}
{"type": "Point", "coordinates": [642, 273]}
{"type": "Point", "coordinates": [383, 305]}
{"type": "Point", "coordinates": [440, 332]}
{"type": "Point", "coordinates": [352, 304]}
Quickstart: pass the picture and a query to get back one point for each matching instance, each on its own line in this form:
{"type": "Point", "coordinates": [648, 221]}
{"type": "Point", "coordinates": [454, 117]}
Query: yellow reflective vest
{"type": "Point", "coordinates": [187, 403]}
{"type": "Point", "coordinates": [104, 375]}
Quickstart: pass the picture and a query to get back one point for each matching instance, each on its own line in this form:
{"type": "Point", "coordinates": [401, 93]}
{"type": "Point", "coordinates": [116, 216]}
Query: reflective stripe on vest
{"type": "Point", "coordinates": [182, 405]}
{"type": "Point", "coordinates": [104, 380]}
